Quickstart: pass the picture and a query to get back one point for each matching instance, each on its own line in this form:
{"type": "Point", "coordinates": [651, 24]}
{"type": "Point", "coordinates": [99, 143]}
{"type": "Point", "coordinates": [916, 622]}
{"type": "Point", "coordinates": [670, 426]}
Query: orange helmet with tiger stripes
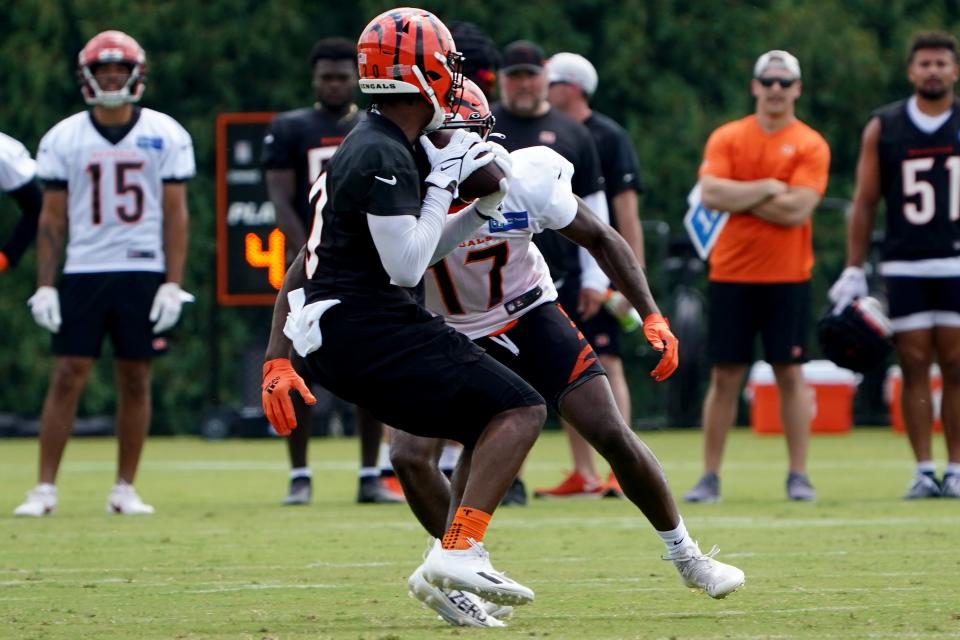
{"type": "Point", "coordinates": [409, 50]}
{"type": "Point", "coordinates": [472, 111]}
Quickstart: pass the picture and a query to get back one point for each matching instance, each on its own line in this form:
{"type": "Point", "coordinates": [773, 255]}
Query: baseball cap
{"type": "Point", "coordinates": [523, 55]}
{"type": "Point", "coordinates": [573, 69]}
{"type": "Point", "coordinates": [777, 59]}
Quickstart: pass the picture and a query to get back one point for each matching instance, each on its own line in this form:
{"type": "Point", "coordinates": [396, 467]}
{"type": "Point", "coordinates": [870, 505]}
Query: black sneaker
{"type": "Point", "coordinates": [372, 491]}
{"type": "Point", "coordinates": [301, 491]}
{"type": "Point", "coordinates": [516, 495]}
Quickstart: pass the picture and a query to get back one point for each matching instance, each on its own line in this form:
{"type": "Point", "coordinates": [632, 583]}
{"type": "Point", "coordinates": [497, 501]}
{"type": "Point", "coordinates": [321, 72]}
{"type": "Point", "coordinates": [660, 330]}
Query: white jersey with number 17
{"type": "Point", "coordinates": [497, 274]}
{"type": "Point", "coordinates": [115, 191]}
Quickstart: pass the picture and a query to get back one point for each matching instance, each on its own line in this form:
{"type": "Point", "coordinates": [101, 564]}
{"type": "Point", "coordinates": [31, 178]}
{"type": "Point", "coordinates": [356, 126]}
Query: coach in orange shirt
{"type": "Point", "coordinates": [769, 170]}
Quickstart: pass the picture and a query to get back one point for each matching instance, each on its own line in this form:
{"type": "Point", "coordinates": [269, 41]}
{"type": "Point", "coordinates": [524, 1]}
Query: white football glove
{"type": "Point", "coordinates": [45, 307]}
{"type": "Point", "coordinates": [502, 158]}
{"type": "Point", "coordinates": [167, 305]}
{"type": "Point", "coordinates": [456, 161]}
{"type": "Point", "coordinates": [851, 284]}
{"type": "Point", "coordinates": [488, 206]}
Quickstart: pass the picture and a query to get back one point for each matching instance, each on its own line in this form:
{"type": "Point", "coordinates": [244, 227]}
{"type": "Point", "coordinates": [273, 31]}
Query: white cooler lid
{"type": "Point", "coordinates": [815, 371]}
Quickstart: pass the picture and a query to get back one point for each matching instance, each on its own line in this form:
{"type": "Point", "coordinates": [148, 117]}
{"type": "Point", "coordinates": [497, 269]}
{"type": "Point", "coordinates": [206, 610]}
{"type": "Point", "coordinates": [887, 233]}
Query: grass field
{"type": "Point", "coordinates": [221, 559]}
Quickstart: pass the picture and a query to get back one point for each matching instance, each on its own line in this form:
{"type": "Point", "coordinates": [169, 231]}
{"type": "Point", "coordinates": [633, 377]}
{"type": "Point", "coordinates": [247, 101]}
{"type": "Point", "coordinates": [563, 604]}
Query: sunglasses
{"type": "Point", "coordinates": [786, 83]}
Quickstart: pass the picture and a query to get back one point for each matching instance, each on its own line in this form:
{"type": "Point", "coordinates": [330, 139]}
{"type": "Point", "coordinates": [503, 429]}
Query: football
{"type": "Point", "coordinates": [481, 182]}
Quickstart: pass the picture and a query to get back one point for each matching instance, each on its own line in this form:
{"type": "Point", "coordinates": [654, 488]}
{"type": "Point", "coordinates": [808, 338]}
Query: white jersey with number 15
{"type": "Point", "coordinates": [473, 286]}
{"type": "Point", "coordinates": [114, 191]}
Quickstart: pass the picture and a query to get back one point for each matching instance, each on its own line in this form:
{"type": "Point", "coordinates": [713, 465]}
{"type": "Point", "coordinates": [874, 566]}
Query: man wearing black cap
{"type": "Point", "coordinates": [524, 116]}
{"type": "Point", "coordinates": [480, 56]}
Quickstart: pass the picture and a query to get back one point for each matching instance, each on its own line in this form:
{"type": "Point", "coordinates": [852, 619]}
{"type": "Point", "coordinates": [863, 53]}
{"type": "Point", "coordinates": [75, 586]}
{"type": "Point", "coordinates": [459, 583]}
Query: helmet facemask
{"type": "Point", "coordinates": [471, 111]}
{"type": "Point", "coordinates": [131, 91]}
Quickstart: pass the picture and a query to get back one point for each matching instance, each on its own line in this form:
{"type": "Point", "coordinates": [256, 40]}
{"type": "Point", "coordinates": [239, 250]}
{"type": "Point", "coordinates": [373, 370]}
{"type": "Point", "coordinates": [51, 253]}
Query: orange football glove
{"type": "Point", "coordinates": [4, 262]}
{"type": "Point", "coordinates": [279, 379]}
{"type": "Point", "coordinates": [658, 334]}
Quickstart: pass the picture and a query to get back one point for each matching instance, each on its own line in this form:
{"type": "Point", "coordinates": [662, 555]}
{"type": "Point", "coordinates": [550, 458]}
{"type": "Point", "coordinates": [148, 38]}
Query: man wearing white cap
{"type": "Point", "coordinates": [572, 82]}
{"type": "Point", "coordinates": [769, 170]}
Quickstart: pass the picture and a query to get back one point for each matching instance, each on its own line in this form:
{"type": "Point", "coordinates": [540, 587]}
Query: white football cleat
{"type": "Point", "coordinates": [470, 570]}
{"type": "Point", "coordinates": [41, 501]}
{"type": "Point", "coordinates": [123, 500]}
{"type": "Point", "coordinates": [459, 608]}
{"type": "Point", "coordinates": [701, 571]}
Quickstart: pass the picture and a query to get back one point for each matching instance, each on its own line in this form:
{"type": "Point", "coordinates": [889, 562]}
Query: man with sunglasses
{"type": "Point", "coordinates": [769, 170]}
{"type": "Point", "coordinates": [296, 148]}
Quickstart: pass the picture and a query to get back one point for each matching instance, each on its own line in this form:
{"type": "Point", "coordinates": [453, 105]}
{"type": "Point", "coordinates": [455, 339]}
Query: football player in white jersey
{"type": "Point", "coordinates": [115, 185]}
{"type": "Point", "coordinates": [495, 287]}
{"type": "Point", "coordinates": [18, 173]}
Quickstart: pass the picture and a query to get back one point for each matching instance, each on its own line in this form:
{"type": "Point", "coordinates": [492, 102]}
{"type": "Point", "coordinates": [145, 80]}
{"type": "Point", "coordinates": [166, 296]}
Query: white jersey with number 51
{"type": "Point", "coordinates": [114, 191]}
{"type": "Point", "coordinates": [497, 274]}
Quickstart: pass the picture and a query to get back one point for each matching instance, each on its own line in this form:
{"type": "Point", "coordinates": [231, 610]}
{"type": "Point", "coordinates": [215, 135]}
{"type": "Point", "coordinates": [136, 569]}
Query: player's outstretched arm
{"type": "Point", "coordinates": [617, 260]}
{"type": "Point", "coordinates": [279, 378]}
{"type": "Point", "coordinates": [614, 256]}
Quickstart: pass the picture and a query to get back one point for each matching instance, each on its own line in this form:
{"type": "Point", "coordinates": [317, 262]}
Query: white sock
{"type": "Point", "coordinates": [953, 469]}
{"type": "Point", "coordinates": [676, 540]}
{"type": "Point", "coordinates": [449, 457]}
{"type": "Point", "coordinates": [46, 487]}
{"type": "Point", "coordinates": [383, 458]}
{"type": "Point", "coordinates": [300, 472]}
{"type": "Point", "coordinates": [369, 472]}
{"type": "Point", "coordinates": [926, 467]}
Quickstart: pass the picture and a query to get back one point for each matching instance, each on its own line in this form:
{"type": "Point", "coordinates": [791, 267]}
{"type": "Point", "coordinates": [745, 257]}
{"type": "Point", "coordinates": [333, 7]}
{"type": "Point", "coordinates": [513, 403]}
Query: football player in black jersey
{"type": "Point", "coordinates": [525, 118]}
{"type": "Point", "coordinates": [351, 303]}
{"type": "Point", "coordinates": [572, 81]}
{"type": "Point", "coordinates": [910, 156]}
{"type": "Point", "coordinates": [296, 147]}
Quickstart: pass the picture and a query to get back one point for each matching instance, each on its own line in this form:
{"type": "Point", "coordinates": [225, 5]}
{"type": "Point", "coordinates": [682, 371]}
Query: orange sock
{"type": "Point", "coordinates": [467, 523]}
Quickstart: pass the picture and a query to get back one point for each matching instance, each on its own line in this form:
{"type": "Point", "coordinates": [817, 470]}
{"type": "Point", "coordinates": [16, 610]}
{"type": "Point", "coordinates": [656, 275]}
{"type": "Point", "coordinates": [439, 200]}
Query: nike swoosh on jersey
{"type": "Point", "coordinates": [392, 181]}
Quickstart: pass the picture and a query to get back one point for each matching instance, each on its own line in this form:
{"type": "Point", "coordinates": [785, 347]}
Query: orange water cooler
{"type": "Point", "coordinates": [831, 394]}
{"type": "Point", "coordinates": [893, 387]}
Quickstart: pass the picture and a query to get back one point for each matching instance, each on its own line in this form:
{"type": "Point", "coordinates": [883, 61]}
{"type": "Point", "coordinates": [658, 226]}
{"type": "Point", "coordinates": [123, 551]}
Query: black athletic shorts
{"type": "Point", "coordinates": [547, 350]}
{"type": "Point", "coordinates": [93, 305]}
{"type": "Point", "coordinates": [602, 330]}
{"type": "Point", "coordinates": [778, 313]}
{"type": "Point", "coordinates": [923, 303]}
{"type": "Point", "coordinates": [413, 372]}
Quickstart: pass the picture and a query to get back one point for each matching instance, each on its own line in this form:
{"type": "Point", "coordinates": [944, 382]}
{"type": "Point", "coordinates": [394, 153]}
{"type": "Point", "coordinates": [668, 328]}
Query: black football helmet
{"type": "Point", "coordinates": [857, 338]}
